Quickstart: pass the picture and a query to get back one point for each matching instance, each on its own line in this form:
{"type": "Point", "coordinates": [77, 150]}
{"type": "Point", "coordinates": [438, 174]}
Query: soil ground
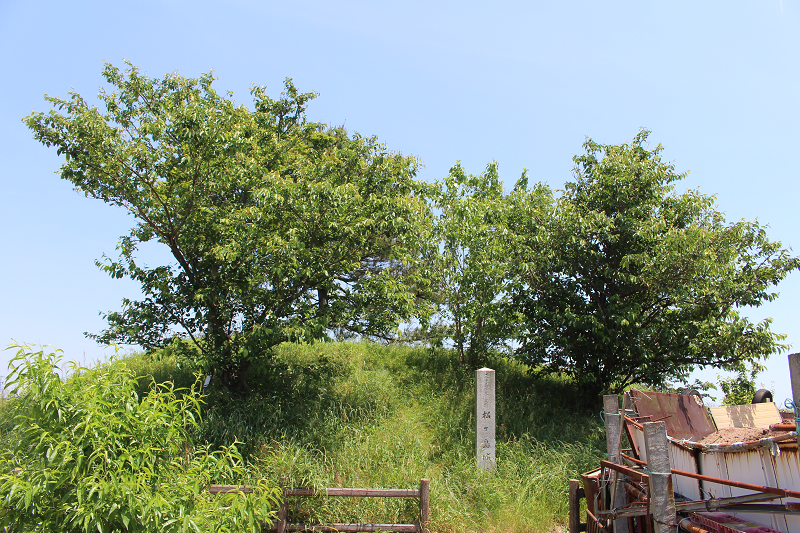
{"type": "Point", "coordinates": [727, 436]}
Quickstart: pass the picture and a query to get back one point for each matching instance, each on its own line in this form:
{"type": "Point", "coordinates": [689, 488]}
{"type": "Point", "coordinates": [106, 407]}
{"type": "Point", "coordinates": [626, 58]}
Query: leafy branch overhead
{"type": "Point", "coordinates": [280, 228]}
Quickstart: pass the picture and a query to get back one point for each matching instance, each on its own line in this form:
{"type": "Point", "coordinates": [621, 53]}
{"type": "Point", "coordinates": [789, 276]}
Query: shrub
{"type": "Point", "coordinates": [88, 453]}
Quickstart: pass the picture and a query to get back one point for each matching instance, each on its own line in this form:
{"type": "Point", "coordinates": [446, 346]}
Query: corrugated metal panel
{"type": "Point", "coordinates": [787, 471]}
{"type": "Point", "coordinates": [685, 416]}
{"type": "Point", "coordinates": [756, 415]}
{"type": "Point", "coordinates": [757, 466]}
{"type": "Point", "coordinates": [679, 459]}
{"type": "Point", "coordinates": [682, 459]}
{"type": "Point", "coordinates": [713, 464]}
{"type": "Point", "coordinates": [754, 466]}
{"type": "Point", "coordinates": [638, 436]}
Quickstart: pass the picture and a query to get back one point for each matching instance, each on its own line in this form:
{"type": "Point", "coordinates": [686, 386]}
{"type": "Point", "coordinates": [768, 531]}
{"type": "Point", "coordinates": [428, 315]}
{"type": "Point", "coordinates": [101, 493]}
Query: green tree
{"type": "Point", "coordinates": [87, 454]}
{"type": "Point", "coordinates": [621, 280]}
{"type": "Point", "coordinates": [740, 388]}
{"type": "Point", "coordinates": [468, 259]}
{"type": "Point", "coordinates": [280, 228]}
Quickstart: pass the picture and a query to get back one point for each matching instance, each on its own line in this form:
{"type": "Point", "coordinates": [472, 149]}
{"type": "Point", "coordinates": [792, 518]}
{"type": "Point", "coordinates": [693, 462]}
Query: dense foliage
{"type": "Point", "coordinates": [468, 262]}
{"type": "Point", "coordinates": [88, 454]}
{"type": "Point", "coordinates": [740, 388]}
{"type": "Point", "coordinates": [622, 280]}
{"type": "Point", "coordinates": [280, 229]}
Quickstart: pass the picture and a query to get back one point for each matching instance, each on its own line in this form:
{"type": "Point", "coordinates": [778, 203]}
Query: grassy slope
{"type": "Point", "coordinates": [362, 415]}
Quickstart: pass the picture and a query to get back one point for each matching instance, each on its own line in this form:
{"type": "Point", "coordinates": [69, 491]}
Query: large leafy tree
{"type": "Point", "coordinates": [468, 260]}
{"type": "Point", "coordinates": [280, 228]}
{"type": "Point", "coordinates": [622, 280]}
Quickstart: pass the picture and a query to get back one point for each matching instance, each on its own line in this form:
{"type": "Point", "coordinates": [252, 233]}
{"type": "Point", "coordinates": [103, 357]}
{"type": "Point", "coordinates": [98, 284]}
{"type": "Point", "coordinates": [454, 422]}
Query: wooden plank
{"type": "Point", "coordinates": [574, 506]}
{"type": "Point", "coordinates": [224, 489]}
{"type": "Point", "coordinates": [755, 415]}
{"type": "Point", "coordinates": [281, 525]}
{"type": "Point", "coordinates": [352, 527]}
{"type": "Point", "coordinates": [424, 502]}
{"type": "Point", "coordinates": [343, 492]}
{"type": "Point", "coordinates": [662, 498]}
{"type": "Point", "coordinates": [283, 509]}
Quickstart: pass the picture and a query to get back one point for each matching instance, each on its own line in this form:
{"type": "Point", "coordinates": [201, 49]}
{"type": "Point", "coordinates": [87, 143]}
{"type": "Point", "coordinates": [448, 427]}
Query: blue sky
{"type": "Point", "coordinates": [522, 83]}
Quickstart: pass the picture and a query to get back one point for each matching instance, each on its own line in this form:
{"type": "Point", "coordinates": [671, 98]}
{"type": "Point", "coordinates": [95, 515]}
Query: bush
{"type": "Point", "coordinates": [87, 453]}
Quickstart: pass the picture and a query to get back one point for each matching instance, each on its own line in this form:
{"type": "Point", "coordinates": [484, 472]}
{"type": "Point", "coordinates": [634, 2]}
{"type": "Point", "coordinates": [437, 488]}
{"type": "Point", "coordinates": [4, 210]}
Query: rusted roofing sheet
{"type": "Point", "coordinates": [685, 416]}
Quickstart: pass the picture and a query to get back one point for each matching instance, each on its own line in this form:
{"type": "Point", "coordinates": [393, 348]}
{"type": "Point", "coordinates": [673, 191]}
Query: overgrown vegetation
{"type": "Point", "coordinates": [363, 415]}
{"type": "Point", "coordinates": [89, 453]}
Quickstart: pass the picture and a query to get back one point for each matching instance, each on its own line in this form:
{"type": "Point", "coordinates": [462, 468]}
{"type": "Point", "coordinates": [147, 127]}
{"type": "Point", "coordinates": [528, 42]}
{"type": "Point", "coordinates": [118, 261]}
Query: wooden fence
{"type": "Point", "coordinates": [281, 525]}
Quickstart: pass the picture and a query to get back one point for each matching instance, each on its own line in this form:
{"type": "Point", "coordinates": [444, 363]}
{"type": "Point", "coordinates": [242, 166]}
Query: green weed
{"type": "Point", "coordinates": [364, 415]}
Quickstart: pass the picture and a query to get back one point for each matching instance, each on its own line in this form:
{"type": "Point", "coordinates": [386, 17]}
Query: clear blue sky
{"type": "Point", "coordinates": [522, 83]}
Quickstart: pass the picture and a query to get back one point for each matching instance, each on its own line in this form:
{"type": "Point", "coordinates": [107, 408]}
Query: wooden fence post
{"type": "Point", "coordinates": [283, 509]}
{"type": "Point", "coordinates": [575, 495]}
{"type": "Point", "coordinates": [662, 498]}
{"type": "Point", "coordinates": [424, 503]}
{"type": "Point", "coordinates": [613, 439]}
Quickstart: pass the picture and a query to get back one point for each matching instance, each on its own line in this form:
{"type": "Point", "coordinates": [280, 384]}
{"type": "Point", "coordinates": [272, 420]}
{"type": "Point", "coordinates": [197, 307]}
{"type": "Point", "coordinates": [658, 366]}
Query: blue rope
{"type": "Point", "coordinates": [791, 405]}
{"type": "Point", "coordinates": [656, 473]}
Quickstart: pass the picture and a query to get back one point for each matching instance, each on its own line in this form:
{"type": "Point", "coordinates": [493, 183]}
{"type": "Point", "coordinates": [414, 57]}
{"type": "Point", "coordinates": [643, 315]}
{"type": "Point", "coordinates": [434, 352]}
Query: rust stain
{"type": "Point", "coordinates": [685, 417]}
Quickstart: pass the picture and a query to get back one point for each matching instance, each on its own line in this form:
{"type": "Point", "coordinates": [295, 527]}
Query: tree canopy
{"type": "Point", "coordinates": [621, 280]}
{"type": "Point", "coordinates": [280, 228]}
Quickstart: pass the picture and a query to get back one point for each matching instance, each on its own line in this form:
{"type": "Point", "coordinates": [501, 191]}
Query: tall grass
{"type": "Point", "coordinates": [363, 415]}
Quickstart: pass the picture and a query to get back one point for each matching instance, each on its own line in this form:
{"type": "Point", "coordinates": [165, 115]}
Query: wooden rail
{"type": "Point", "coordinates": [282, 525]}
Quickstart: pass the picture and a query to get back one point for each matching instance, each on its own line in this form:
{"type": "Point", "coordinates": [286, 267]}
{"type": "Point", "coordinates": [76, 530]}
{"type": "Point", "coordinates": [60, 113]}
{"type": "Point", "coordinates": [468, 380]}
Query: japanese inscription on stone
{"type": "Point", "coordinates": [484, 441]}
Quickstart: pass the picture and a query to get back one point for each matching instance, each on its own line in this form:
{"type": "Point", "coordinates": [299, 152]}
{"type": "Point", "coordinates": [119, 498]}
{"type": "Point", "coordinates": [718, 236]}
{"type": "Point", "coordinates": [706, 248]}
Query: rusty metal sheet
{"type": "Point", "coordinates": [758, 467]}
{"type": "Point", "coordinates": [787, 472]}
{"type": "Point", "coordinates": [679, 459]}
{"type": "Point", "coordinates": [685, 416]}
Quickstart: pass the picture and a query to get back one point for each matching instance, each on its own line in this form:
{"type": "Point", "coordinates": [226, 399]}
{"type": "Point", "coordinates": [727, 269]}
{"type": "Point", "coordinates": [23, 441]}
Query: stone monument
{"type": "Point", "coordinates": [485, 417]}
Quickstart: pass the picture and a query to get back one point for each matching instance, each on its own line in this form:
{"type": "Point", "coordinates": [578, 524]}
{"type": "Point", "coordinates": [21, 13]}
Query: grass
{"type": "Point", "coordinates": [363, 415]}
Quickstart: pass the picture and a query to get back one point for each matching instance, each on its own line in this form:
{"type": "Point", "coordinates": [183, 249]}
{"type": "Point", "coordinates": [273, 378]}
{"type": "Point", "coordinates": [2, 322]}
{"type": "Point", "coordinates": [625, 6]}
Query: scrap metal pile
{"type": "Point", "coordinates": [684, 469]}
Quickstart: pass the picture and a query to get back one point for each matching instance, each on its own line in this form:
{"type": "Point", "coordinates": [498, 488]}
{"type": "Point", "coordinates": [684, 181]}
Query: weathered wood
{"type": "Point", "coordinates": [613, 441]}
{"type": "Point", "coordinates": [281, 525]}
{"type": "Point", "coordinates": [283, 509]}
{"type": "Point", "coordinates": [662, 497]}
{"type": "Point", "coordinates": [576, 494]}
{"type": "Point", "coordinates": [424, 503]}
{"type": "Point", "coordinates": [356, 493]}
{"type": "Point", "coordinates": [223, 489]}
{"type": "Point", "coordinates": [352, 527]}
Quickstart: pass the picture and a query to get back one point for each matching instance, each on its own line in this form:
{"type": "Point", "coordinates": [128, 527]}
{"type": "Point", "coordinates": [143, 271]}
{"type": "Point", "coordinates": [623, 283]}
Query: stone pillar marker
{"type": "Point", "coordinates": [794, 373]}
{"type": "Point", "coordinates": [485, 418]}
